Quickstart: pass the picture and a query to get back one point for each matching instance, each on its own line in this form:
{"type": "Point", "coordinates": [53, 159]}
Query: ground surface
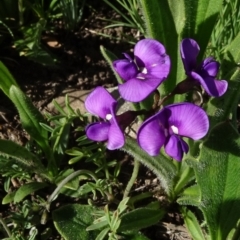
{"type": "Point", "coordinates": [81, 67]}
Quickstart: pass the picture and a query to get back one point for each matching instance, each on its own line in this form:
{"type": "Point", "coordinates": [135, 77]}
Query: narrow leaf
{"type": "Point", "coordinates": [29, 115]}
{"type": "Point", "coordinates": [27, 189]}
{"type": "Point", "coordinates": [131, 220]}
{"type": "Point", "coordinates": [6, 79]}
{"type": "Point", "coordinates": [192, 224]}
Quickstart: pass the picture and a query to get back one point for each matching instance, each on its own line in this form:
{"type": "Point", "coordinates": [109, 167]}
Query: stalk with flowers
{"type": "Point", "coordinates": [192, 146]}
{"type": "Point", "coordinates": [184, 92]}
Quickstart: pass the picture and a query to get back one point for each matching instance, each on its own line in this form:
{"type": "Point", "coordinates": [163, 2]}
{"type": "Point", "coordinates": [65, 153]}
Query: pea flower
{"type": "Point", "coordinates": [143, 74]}
{"type": "Point", "coordinates": [102, 104]}
{"type": "Point", "coordinates": [168, 126]}
{"type": "Point", "coordinates": [205, 73]}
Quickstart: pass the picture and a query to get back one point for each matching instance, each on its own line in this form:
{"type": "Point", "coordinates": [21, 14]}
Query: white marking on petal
{"type": "Point", "coordinates": [141, 78]}
{"type": "Point", "coordinates": [109, 117]}
{"type": "Point", "coordinates": [174, 129]}
{"type": "Point", "coordinates": [154, 65]}
{"type": "Point", "coordinates": [144, 70]}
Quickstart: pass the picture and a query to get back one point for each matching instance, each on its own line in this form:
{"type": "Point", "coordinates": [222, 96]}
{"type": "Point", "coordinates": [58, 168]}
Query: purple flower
{"type": "Point", "coordinates": [205, 73]}
{"type": "Point", "coordinates": [168, 126]}
{"type": "Point", "coordinates": [102, 104]}
{"type": "Point", "coordinates": [143, 74]}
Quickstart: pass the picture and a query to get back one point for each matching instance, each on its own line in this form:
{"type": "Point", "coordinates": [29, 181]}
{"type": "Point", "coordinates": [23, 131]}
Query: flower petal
{"type": "Point", "coordinates": [99, 102]}
{"type": "Point", "coordinates": [175, 147]}
{"type": "Point", "coordinates": [149, 51]}
{"type": "Point", "coordinates": [98, 131]}
{"type": "Point", "coordinates": [160, 69]}
{"type": "Point", "coordinates": [189, 51]}
{"type": "Point", "coordinates": [215, 88]}
{"type": "Point", "coordinates": [137, 89]}
{"type": "Point", "coordinates": [189, 120]}
{"type": "Point", "coordinates": [210, 66]}
{"type": "Point", "coordinates": [151, 136]}
{"type": "Point", "coordinates": [115, 135]}
{"type": "Point", "coordinates": [125, 68]}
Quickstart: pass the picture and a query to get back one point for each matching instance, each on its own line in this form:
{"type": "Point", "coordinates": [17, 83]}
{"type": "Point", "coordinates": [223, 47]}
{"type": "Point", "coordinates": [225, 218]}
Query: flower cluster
{"type": "Point", "coordinates": [142, 74]}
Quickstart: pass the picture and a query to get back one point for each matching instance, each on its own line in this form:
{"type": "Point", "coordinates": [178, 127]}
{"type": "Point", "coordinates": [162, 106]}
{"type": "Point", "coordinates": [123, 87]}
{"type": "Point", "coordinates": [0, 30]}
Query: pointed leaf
{"type": "Point", "coordinates": [22, 156]}
{"type": "Point", "coordinates": [27, 189]}
{"type": "Point", "coordinates": [29, 115]}
{"type": "Point", "coordinates": [190, 196]}
{"type": "Point", "coordinates": [192, 224]}
{"type": "Point", "coordinates": [6, 79]}
{"type": "Point", "coordinates": [140, 218]}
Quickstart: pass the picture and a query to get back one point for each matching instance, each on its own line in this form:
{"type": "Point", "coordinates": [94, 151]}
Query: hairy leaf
{"type": "Point", "coordinates": [72, 220]}
{"type": "Point", "coordinates": [218, 174]}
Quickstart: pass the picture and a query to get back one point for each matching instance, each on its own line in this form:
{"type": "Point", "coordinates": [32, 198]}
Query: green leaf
{"type": "Point", "coordinates": [190, 196]}
{"type": "Point", "coordinates": [8, 198]}
{"type": "Point", "coordinates": [6, 79]}
{"type": "Point", "coordinates": [218, 173]}
{"type": "Point", "coordinates": [192, 224]}
{"type": "Point", "coordinates": [29, 115]}
{"type": "Point", "coordinates": [22, 156]}
{"type": "Point", "coordinates": [160, 165]}
{"type": "Point", "coordinates": [134, 235]}
{"type": "Point", "coordinates": [30, 118]}
{"type": "Point", "coordinates": [220, 109]}
{"type": "Point", "coordinates": [102, 234]}
{"type": "Point", "coordinates": [72, 220]}
{"type": "Point", "coordinates": [140, 218]}
{"type": "Point", "coordinates": [201, 17]}
{"type": "Point", "coordinates": [27, 189]}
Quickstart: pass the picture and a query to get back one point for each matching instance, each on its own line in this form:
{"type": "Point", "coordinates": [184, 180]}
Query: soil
{"type": "Point", "coordinates": [80, 66]}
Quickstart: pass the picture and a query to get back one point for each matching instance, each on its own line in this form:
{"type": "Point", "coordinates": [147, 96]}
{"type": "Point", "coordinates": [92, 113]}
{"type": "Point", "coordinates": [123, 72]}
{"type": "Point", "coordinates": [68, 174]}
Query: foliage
{"type": "Point", "coordinates": [206, 173]}
{"type": "Point", "coordinates": [27, 20]}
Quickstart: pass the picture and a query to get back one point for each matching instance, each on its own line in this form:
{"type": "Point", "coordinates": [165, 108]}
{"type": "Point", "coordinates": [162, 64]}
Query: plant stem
{"type": "Point", "coordinates": [5, 227]}
{"type": "Point", "coordinates": [66, 180]}
{"type": "Point", "coordinates": [133, 178]}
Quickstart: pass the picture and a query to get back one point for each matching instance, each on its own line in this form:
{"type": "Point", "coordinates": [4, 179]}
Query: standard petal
{"type": "Point", "coordinates": [173, 147]}
{"type": "Point", "coordinates": [137, 89]}
{"type": "Point", "coordinates": [151, 136]}
{"type": "Point", "coordinates": [148, 52]}
{"type": "Point", "coordinates": [98, 131]}
{"type": "Point", "coordinates": [99, 102]}
{"type": "Point", "coordinates": [214, 88]}
{"type": "Point", "coordinates": [125, 68]}
{"type": "Point", "coordinates": [160, 69]}
{"type": "Point", "coordinates": [210, 66]}
{"type": "Point", "coordinates": [188, 120]}
{"type": "Point", "coordinates": [189, 51]}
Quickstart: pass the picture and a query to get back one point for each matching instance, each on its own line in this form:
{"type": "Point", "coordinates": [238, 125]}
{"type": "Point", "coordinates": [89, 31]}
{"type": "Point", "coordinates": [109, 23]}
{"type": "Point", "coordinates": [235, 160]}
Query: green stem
{"type": "Point", "coordinates": [133, 178]}
{"type": "Point", "coordinates": [108, 178]}
{"type": "Point", "coordinates": [5, 227]}
{"type": "Point", "coordinates": [66, 180]}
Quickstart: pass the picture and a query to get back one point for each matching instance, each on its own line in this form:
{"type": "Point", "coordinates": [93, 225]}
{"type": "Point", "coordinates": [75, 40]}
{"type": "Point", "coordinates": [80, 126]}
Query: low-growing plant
{"type": "Point", "coordinates": [187, 134]}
